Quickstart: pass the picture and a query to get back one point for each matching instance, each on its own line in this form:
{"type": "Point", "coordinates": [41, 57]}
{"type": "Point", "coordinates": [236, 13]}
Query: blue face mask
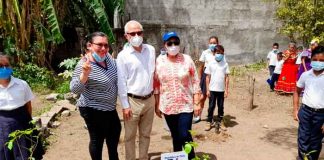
{"type": "Point", "coordinates": [212, 47]}
{"type": "Point", "coordinates": [317, 65]}
{"type": "Point", "coordinates": [98, 58]}
{"type": "Point", "coordinates": [5, 73]}
{"type": "Point", "coordinates": [219, 57]}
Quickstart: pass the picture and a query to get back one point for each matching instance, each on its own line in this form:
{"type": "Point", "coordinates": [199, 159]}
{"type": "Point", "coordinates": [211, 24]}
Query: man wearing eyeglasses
{"type": "Point", "coordinates": [135, 65]}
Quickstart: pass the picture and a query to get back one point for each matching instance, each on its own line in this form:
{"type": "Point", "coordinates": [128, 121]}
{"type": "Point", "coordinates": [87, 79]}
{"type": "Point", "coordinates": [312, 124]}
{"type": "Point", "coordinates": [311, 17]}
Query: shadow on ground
{"type": "Point", "coordinates": [229, 121]}
{"type": "Point", "coordinates": [286, 137]}
{"type": "Point", "coordinates": [157, 155]}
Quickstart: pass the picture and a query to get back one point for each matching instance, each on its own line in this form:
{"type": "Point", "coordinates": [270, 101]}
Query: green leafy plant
{"type": "Point", "coordinates": [190, 145]}
{"type": "Point", "coordinates": [306, 155]}
{"type": "Point", "coordinates": [69, 65]}
{"type": "Point", "coordinates": [29, 134]}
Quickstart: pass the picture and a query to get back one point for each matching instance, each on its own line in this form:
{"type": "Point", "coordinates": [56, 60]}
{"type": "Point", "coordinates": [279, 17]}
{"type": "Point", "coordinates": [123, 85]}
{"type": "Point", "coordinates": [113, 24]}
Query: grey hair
{"type": "Point", "coordinates": [293, 43]}
{"type": "Point", "coordinates": [132, 22]}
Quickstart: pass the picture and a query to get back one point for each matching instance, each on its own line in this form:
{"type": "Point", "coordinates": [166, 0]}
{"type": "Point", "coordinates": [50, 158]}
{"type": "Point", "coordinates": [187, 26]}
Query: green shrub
{"type": "Point", "coordinates": [63, 87]}
{"type": "Point", "coordinates": [35, 76]}
{"type": "Point", "coordinates": [69, 64]}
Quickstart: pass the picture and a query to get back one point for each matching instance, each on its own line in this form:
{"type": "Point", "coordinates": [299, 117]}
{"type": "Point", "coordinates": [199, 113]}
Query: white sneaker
{"type": "Point", "coordinates": [196, 119]}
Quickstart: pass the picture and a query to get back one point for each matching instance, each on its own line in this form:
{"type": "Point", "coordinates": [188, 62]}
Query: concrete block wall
{"type": "Point", "coordinates": [246, 28]}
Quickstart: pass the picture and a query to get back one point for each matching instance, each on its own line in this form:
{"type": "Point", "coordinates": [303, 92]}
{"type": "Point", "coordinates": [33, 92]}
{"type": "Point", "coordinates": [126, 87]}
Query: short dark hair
{"type": "Point", "coordinates": [213, 37]}
{"type": "Point", "coordinates": [275, 44]}
{"type": "Point", "coordinates": [221, 48]}
{"type": "Point", "coordinates": [89, 39]}
{"type": "Point", "coordinates": [280, 54]}
{"type": "Point", "coordinates": [318, 50]}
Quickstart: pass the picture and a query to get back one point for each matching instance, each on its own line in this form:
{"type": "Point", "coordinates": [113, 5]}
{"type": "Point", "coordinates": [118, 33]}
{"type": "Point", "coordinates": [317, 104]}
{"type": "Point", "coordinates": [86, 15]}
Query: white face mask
{"type": "Point", "coordinates": [173, 50]}
{"type": "Point", "coordinates": [136, 41]}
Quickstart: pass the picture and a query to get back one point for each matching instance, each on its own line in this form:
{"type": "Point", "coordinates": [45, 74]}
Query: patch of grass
{"type": "Point", "coordinates": [41, 89]}
{"type": "Point", "coordinates": [42, 110]}
{"type": "Point", "coordinates": [238, 71]}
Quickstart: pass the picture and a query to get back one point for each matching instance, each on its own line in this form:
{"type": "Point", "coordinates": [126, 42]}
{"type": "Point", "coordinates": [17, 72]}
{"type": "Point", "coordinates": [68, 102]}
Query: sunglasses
{"type": "Point", "coordinates": [101, 45]}
{"type": "Point", "coordinates": [176, 43]}
{"type": "Point", "coordinates": [139, 33]}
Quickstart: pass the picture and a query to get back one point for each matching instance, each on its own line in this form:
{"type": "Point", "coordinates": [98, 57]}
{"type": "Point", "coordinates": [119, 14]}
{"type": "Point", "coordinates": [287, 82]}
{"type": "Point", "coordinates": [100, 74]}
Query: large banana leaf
{"type": "Point", "coordinates": [49, 10]}
{"type": "Point", "coordinates": [98, 8]}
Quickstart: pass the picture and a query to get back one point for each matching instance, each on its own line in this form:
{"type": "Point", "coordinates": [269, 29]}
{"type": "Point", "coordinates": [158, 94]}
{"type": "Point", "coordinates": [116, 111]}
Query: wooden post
{"type": "Point", "coordinates": [251, 80]}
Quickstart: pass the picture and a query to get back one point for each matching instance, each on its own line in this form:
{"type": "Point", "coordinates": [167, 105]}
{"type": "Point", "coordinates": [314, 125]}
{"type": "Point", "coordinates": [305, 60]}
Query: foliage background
{"type": "Point", "coordinates": [301, 19]}
{"type": "Point", "coordinates": [31, 31]}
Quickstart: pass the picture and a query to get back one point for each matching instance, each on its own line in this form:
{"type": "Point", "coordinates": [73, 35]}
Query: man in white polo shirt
{"type": "Point", "coordinates": [135, 67]}
{"type": "Point", "coordinates": [311, 113]}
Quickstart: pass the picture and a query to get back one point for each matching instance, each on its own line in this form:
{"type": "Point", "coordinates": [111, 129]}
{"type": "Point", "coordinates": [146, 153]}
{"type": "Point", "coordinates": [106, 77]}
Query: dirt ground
{"type": "Point", "coordinates": [267, 132]}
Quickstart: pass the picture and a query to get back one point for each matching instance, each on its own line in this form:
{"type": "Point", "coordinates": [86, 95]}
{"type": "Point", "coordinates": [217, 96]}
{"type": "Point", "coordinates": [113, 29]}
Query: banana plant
{"type": "Point", "coordinates": [49, 10]}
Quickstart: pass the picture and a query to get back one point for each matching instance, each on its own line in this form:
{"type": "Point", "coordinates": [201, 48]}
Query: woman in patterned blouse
{"type": "Point", "coordinates": [177, 91]}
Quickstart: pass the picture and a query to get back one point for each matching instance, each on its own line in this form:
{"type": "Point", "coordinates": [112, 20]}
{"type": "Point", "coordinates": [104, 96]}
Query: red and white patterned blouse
{"type": "Point", "coordinates": [176, 82]}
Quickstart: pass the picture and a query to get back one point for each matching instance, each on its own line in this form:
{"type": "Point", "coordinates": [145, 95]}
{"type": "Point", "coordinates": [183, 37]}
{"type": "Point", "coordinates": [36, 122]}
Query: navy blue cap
{"type": "Point", "coordinates": [169, 35]}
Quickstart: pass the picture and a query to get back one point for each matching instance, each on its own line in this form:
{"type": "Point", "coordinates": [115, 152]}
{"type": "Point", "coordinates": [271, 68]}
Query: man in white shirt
{"type": "Point", "coordinates": [272, 58]}
{"type": "Point", "coordinates": [135, 65]}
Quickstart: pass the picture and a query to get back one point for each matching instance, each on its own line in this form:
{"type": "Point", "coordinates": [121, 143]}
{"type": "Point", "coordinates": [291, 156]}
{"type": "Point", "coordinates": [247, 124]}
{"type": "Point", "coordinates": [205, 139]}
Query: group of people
{"type": "Point", "coordinates": [301, 72]}
{"type": "Point", "coordinates": [285, 68]}
{"type": "Point", "coordinates": [168, 86]}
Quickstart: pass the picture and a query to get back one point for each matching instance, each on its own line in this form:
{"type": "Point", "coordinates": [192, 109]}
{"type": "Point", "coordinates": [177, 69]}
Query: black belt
{"type": "Point", "coordinates": [140, 97]}
{"type": "Point", "coordinates": [320, 110]}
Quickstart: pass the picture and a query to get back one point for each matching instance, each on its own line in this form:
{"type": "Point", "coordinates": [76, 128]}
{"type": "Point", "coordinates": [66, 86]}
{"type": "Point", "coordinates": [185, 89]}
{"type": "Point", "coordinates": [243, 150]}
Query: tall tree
{"type": "Point", "coordinates": [301, 19]}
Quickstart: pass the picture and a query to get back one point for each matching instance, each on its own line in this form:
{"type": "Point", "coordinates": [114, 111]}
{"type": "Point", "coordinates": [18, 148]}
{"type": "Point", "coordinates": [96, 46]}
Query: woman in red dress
{"type": "Point", "coordinates": [288, 77]}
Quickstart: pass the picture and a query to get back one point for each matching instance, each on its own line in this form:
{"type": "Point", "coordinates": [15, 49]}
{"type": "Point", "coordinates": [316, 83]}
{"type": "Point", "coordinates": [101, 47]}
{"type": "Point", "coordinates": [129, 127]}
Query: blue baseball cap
{"type": "Point", "coordinates": [169, 35]}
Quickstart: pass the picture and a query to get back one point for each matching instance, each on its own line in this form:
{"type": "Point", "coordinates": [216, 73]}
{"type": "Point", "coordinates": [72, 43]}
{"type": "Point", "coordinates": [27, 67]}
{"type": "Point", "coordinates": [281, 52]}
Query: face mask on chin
{"type": "Point", "coordinates": [173, 50]}
{"type": "Point", "coordinates": [97, 57]}
{"type": "Point", "coordinates": [136, 41]}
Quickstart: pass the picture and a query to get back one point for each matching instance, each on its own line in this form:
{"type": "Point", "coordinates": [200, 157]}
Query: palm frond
{"type": "Point", "coordinates": [48, 9]}
{"type": "Point", "coordinates": [100, 15]}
